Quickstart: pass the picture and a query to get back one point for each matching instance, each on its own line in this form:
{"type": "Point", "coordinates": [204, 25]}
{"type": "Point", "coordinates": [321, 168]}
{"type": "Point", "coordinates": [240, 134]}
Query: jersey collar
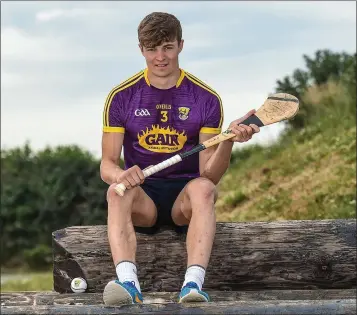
{"type": "Point", "coordinates": [178, 83]}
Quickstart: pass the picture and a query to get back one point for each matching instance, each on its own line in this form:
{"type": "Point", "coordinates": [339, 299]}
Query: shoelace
{"type": "Point", "coordinates": [131, 284]}
{"type": "Point", "coordinates": [191, 285]}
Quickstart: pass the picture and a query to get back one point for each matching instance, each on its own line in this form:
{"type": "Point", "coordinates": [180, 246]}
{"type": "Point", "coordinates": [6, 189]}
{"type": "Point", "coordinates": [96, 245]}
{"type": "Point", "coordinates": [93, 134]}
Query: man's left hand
{"type": "Point", "coordinates": [243, 133]}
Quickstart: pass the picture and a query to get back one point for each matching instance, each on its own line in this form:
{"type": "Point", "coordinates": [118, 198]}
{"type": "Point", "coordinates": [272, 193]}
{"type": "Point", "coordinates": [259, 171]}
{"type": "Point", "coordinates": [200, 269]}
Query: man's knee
{"type": "Point", "coordinates": [112, 195]}
{"type": "Point", "coordinates": [142, 214]}
{"type": "Point", "coordinates": [202, 188]}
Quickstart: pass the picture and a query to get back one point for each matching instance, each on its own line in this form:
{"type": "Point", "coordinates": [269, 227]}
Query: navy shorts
{"type": "Point", "coordinates": [163, 193]}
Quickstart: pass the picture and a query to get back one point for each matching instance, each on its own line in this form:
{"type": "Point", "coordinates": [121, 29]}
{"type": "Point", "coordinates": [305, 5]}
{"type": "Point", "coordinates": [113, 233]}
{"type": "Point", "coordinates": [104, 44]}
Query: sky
{"type": "Point", "coordinates": [59, 60]}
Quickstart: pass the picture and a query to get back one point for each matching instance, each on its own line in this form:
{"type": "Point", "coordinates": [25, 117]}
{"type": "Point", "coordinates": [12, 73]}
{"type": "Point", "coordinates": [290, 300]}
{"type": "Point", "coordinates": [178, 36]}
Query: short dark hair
{"type": "Point", "coordinates": [157, 28]}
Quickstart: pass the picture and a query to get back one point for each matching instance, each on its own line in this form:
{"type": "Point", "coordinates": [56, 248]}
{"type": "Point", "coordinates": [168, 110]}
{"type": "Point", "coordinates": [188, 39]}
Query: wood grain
{"type": "Point", "coordinates": [274, 110]}
{"type": "Point", "coordinates": [223, 136]}
{"type": "Point", "coordinates": [245, 256]}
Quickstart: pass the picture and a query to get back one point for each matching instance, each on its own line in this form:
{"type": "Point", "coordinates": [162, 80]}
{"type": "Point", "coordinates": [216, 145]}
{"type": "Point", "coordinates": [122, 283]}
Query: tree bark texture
{"type": "Point", "coordinates": [245, 256]}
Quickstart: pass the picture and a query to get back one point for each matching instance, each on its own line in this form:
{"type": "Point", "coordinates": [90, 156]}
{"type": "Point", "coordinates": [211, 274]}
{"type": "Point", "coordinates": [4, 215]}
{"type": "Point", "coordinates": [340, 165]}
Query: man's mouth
{"type": "Point", "coordinates": [161, 65]}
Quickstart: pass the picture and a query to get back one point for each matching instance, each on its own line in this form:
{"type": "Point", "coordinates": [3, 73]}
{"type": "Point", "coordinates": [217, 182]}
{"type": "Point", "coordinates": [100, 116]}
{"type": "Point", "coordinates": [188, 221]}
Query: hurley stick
{"type": "Point", "coordinates": [276, 108]}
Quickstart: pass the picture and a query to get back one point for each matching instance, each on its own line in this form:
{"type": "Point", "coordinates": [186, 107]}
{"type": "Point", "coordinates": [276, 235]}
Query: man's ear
{"type": "Point", "coordinates": [181, 45]}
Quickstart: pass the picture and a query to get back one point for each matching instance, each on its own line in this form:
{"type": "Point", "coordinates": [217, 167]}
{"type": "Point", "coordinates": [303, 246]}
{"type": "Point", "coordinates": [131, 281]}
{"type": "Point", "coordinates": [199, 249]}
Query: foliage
{"type": "Point", "coordinates": [310, 173]}
{"type": "Point", "coordinates": [45, 191]}
{"type": "Point", "coordinates": [235, 198]}
{"type": "Point", "coordinates": [325, 66]}
{"type": "Point", "coordinates": [38, 257]}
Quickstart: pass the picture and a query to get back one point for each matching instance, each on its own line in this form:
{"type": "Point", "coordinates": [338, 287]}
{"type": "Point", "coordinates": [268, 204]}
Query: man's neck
{"type": "Point", "coordinates": [164, 82]}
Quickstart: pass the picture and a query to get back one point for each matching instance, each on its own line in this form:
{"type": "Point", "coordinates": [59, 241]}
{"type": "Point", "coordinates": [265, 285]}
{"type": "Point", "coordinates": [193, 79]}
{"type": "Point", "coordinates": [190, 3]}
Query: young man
{"type": "Point", "coordinates": [153, 115]}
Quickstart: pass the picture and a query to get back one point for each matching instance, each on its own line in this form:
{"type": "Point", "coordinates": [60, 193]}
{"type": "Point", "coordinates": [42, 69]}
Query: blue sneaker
{"type": "Point", "coordinates": [117, 293]}
{"type": "Point", "coordinates": [191, 293]}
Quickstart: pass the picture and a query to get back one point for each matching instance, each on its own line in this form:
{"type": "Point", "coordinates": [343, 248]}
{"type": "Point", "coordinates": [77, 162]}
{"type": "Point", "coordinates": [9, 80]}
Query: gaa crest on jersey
{"type": "Point", "coordinates": [183, 112]}
{"type": "Point", "coordinates": [141, 112]}
{"type": "Point", "coordinates": [162, 139]}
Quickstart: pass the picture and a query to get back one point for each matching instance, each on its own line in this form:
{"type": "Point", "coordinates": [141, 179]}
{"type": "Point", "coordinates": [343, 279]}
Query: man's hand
{"type": "Point", "coordinates": [243, 133]}
{"type": "Point", "coordinates": [131, 177]}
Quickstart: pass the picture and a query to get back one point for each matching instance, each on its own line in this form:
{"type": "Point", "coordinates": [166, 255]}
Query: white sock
{"type": "Point", "coordinates": [126, 271]}
{"type": "Point", "coordinates": [195, 273]}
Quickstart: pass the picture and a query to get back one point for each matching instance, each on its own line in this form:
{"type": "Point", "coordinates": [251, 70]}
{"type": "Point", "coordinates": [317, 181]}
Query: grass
{"type": "Point", "coordinates": [235, 198]}
{"type": "Point", "coordinates": [308, 174]}
{"type": "Point", "coordinates": [39, 281]}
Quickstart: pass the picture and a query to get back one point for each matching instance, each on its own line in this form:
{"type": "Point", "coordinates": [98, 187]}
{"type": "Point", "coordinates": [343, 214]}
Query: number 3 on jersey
{"type": "Point", "coordinates": [164, 115]}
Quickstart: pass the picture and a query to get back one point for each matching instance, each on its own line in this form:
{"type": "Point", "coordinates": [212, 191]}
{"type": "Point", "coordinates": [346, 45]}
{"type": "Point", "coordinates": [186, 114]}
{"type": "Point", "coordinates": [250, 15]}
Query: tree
{"type": "Point", "coordinates": [323, 67]}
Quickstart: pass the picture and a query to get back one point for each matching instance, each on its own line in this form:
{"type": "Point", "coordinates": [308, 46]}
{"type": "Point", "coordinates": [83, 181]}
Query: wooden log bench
{"type": "Point", "coordinates": [283, 267]}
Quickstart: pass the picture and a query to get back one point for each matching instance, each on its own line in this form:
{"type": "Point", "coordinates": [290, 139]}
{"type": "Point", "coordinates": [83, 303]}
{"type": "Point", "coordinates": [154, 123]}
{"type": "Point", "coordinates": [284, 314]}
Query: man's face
{"type": "Point", "coordinates": [162, 60]}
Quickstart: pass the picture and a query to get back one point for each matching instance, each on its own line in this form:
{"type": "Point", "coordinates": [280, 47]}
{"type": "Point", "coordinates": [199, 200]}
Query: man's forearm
{"type": "Point", "coordinates": [109, 171]}
{"type": "Point", "coordinates": [218, 163]}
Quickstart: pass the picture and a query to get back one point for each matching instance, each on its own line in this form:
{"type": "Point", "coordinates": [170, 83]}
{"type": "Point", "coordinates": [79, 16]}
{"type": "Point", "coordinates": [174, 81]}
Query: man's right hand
{"type": "Point", "coordinates": [131, 177]}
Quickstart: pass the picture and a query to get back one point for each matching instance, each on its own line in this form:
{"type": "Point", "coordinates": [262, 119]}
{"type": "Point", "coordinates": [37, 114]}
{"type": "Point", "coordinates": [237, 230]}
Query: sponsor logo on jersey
{"type": "Point", "coordinates": [183, 112]}
{"type": "Point", "coordinates": [141, 112]}
{"type": "Point", "coordinates": [162, 139]}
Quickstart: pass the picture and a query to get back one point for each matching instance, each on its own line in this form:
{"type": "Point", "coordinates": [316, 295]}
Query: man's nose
{"type": "Point", "coordinates": [160, 55]}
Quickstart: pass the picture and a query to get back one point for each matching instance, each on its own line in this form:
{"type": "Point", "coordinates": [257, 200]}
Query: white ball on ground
{"type": "Point", "coordinates": [78, 285]}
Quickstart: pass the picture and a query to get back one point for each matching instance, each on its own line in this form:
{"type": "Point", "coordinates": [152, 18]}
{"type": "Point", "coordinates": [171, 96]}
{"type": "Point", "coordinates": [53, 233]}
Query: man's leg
{"type": "Point", "coordinates": [134, 208]}
{"type": "Point", "coordinates": [195, 206]}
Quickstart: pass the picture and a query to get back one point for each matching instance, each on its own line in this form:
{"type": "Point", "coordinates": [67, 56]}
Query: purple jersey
{"type": "Point", "coordinates": [161, 123]}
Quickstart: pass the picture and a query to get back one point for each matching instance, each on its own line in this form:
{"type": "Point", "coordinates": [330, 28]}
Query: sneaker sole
{"type": "Point", "coordinates": [193, 296]}
{"type": "Point", "coordinates": [115, 294]}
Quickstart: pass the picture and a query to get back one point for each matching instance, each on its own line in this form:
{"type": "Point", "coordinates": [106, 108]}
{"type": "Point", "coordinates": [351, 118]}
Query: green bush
{"type": "Point", "coordinates": [324, 67]}
{"type": "Point", "coordinates": [39, 257]}
{"type": "Point", "coordinates": [45, 191]}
